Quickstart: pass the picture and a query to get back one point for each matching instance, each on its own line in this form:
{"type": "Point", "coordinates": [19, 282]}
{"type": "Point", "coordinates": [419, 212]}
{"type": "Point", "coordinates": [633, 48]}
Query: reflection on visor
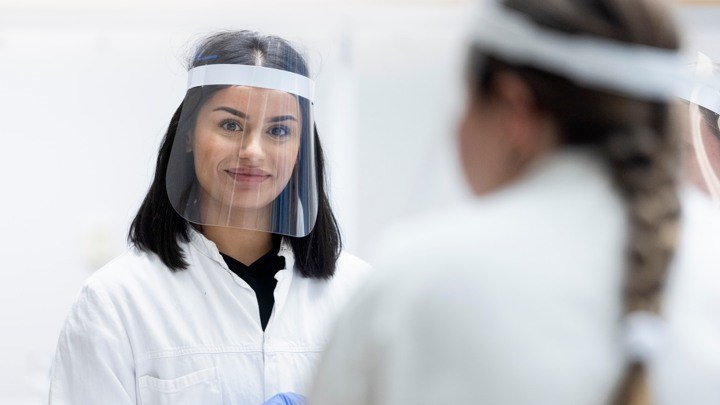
{"type": "Point", "coordinates": [706, 147]}
{"type": "Point", "coordinates": [704, 166]}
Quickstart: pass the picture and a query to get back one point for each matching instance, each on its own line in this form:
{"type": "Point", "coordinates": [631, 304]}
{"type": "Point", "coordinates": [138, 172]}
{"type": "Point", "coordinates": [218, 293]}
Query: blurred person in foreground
{"type": "Point", "coordinates": [237, 268]}
{"type": "Point", "coordinates": [582, 272]}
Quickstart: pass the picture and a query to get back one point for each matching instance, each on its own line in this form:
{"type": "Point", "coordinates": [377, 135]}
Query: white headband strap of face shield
{"type": "Point", "coordinates": [255, 76]}
{"type": "Point", "coordinates": [642, 71]}
{"type": "Point", "coordinates": [706, 89]}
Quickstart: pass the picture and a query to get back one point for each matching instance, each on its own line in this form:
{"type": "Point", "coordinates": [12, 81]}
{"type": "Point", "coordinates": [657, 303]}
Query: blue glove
{"type": "Point", "coordinates": [286, 398]}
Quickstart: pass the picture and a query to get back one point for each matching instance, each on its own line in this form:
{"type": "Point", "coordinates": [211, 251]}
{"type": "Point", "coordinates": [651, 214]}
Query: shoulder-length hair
{"type": "Point", "coordinates": [159, 229]}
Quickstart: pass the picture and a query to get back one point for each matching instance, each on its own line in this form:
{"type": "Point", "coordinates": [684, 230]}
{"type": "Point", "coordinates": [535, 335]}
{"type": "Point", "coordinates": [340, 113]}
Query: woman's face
{"type": "Point", "coordinates": [245, 145]}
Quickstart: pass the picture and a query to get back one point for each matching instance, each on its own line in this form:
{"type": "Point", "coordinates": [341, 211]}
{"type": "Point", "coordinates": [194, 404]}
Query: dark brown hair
{"type": "Point", "coordinates": [637, 138]}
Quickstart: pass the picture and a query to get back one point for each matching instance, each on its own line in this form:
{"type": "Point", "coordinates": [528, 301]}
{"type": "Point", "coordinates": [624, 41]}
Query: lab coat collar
{"type": "Point", "coordinates": [205, 245]}
{"type": "Point", "coordinates": [284, 280]}
{"type": "Point", "coordinates": [284, 277]}
{"type": "Point", "coordinates": [209, 248]}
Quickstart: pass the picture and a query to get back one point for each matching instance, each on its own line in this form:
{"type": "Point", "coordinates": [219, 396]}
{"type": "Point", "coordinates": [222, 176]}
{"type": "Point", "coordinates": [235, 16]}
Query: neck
{"type": "Point", "coordinates": [243, 245]}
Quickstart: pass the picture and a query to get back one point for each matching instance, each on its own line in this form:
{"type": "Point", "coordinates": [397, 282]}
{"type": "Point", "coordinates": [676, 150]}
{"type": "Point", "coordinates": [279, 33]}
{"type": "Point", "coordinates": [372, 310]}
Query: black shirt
{"type": "Point", "coordinates": [261, 277]}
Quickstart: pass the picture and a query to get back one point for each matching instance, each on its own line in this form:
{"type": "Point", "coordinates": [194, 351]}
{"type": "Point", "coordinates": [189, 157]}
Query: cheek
{"type": "Point", "coordinates": [469, 142]}
{"type": "Point", "coordinates": [285, 158]}
{"type": "Point", "coordinates": [208, 151]}
{"type": "Point", "coordinates": [483, 150]}
{"type": "Point", "coordinates": [202, 153]}
{"type": "Point", "coordinates": [463, 136]}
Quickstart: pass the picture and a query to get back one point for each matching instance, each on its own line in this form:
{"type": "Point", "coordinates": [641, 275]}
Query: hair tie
{"type": "Point", "coordinates": [643, 335]}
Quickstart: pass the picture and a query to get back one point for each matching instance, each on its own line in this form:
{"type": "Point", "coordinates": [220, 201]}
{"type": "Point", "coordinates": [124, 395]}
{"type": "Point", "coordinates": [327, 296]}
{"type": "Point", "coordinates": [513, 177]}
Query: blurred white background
{"type": "Point", "coordinates": [87, 89]}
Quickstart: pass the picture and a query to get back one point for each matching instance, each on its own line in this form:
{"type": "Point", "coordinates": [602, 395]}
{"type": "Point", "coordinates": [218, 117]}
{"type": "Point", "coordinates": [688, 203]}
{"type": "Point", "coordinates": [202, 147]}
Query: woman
{"type": "Point", "coordinates": [582, 273]}
{"type": "Point", "coordinates": [237, 267]}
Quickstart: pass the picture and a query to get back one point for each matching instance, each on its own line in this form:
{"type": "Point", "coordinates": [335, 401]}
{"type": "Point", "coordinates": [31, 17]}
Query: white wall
{"type": "Point", "coordinates": [86, 93]}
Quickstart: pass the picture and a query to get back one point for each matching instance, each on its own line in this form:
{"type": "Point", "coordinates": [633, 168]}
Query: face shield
{"type": "Point", "coordinates": [702, 164]}
{"type": "Point", "coordinates": [244, 151]}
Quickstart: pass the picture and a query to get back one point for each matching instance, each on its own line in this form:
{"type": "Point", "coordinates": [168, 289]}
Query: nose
{"type": "Point", "coordinates": [251, 148]}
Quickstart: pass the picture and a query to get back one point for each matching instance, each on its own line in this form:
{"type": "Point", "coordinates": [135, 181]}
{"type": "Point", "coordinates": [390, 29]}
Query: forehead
{"type": "Point", "coordinates": [246, 98]}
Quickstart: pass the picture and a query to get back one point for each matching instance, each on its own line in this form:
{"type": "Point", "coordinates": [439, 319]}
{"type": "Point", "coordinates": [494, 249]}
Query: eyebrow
{"type": "Point", "coordinates": [232, 111]}
{"type": "Point", "coordinates": [244, 116]}
{"type": "Point", "coordinates": [281, 118]}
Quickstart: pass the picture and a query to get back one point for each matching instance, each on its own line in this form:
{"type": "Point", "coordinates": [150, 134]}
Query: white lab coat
{"type": "Point", "coordinates": [141, 334]}
{"type": "Point", "coordinates": [515, 298]}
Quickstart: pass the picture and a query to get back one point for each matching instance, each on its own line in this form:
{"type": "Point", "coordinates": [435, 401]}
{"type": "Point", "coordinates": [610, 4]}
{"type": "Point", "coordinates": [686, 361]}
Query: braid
{"type": "Point", "coordinates": [643, 165]}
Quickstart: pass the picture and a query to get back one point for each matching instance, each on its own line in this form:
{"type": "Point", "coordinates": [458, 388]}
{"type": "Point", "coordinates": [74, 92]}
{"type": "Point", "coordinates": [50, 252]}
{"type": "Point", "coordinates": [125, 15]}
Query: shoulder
{"type": "Point", "coordinates": [512, 241]}
{"type": "Point", "coordinates": [698, 214]}
{"type": "Point", "coordinates": [137, 278]}
{"type": "Point", "coordinates": [690, 360]}
{"type": "Point", "coordinates": [697, 261]}
{"type": "Point", "coordinates": [134, 266]}
{"type": "Point", "coordinates": [699, 237]}
{"type": "Point", "coordinates": [350, 272]}
{"type": "Point", "coordinates": [548, 212]}
{"type": "Point", "coordinates": [349, 265]}
{"type": "Point", "coordinates": [98, 304]}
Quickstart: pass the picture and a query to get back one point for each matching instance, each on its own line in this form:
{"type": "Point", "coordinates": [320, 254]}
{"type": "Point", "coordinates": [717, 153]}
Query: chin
{"type": "Point", "coordinates": [250, 203]}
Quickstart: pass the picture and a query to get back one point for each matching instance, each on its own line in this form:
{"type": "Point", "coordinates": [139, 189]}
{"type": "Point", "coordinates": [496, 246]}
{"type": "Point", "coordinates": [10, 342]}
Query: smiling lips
{"type": "Point", "coordinates": [248, 175]}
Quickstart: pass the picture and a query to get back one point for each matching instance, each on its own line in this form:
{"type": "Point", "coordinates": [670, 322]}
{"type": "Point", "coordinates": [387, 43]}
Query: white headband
{"type": "Point", "coordinates": [255, 76]}
{"type": "Point", "coordinates": [706, 90]}
{"type": "Point", "coordinates": [642, 71]}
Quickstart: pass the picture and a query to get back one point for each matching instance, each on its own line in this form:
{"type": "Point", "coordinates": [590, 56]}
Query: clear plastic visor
{"type": "Point", "coordinates": [244, 157]}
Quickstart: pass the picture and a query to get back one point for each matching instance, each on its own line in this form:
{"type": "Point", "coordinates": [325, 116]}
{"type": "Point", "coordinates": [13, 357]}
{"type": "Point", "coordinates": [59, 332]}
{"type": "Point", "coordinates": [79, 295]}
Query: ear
{"type": "Point", "coordinates": [523, 122]}
{"type": "Point", "coordinates": [188, 142]}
